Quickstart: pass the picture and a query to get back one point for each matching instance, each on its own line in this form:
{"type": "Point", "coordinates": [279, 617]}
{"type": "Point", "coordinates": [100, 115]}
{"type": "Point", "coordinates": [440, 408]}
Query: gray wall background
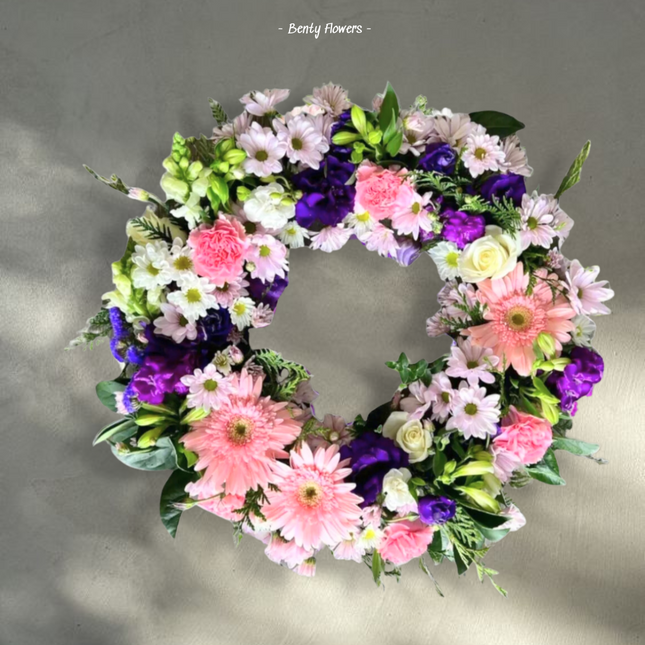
{"type": "Point", "coordinates": [85, 559]}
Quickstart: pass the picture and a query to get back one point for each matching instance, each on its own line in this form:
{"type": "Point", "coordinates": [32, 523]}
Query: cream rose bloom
{"type": "Point", "coordinates": [396, 490]}
{"type": "Point", "coordinates": [491, 256]}
{"type": "Point", "coordinates": [413, 436]}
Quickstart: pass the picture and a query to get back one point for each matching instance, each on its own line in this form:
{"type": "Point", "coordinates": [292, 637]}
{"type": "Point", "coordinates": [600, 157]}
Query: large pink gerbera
{"type": "Point", "coordinates": [516, 318]}
{"type": "Point", "coordinates": [313, 505]}
{"type": "Point", "coordinates": [238, 444]}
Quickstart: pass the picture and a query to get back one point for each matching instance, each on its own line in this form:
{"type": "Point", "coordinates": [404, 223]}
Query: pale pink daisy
{"type": "Point", "coordinates": [314, 505]}
{"type": "Point", "coordinates": [515, 318]}
{"type": "Point", "coordinates": [471, 363]}
{"type": "Point", "coordinates": [474, 413]}
{"type": "Point", "coordinates": [421, 398]}
{"type": "Point", "coordinates": [333, 430]}
{"type": "Point", "coordinates": [207, 388]}
{"type": "Point", "coordinates": [516, 519]}
{"type": "Point", "coordinates": [268, 257]}
{"type": "Point", "coordinates": [264, 151]}
{"type": "Point", "coordinates": [435, 326]}
{"type": "Point", "coordinates": [174, 324]}
{"type": "Point", "coordinates": [562, 224]}
{"type": "Point", "coordinates": [418, 131]}
{"type": "Point", "coordinates": [286, 552]}
{"type": "Point", "coordinates": [587, 295]}
{"type": "Point", "coordinates": [332, 98]}
{"type": "Point", "coordinates": [261, 103]}
{"type": "Point", "coordinates": [443, 392]}
{"type": "Point", "coordinates": [238, 445]}
{"type": "Point", "coordinates": [350, 549]}
{"type": "Point", "coordinates": [452, 128]}
{"type": "Point", "coordinates": [515, 160]}
{"type": "Point", "coordinates": [323, 123]}
{"type": "Point", "coordinates": [413, 213]}
{"type": "Point", "coordinates": [330, 238]}
{"type": "Point", "coordinates": [505, 463]}
{"type": "Point", "coordinates": [234, 129]}
{"type": "Point", "coordinates": [229, 292]}
{"type": "Point", "coordinates": [372, 516]}
{"type": "Point", "coordinates": [382, 240]}
{"type": "Point", "coordinates": [482, 152]}
{"type": "Point", "coordinates": [262, 316]}
{"type": "Point", "coordinates": [306, 568]}
{"type": "Point", "coordinates": [537, 219]}
{"type": "Point", "coordinates": [454, 297]}
{"type": "Point", "coordinates": [225, 506]}
{"type": "Point", "coordinates": [304, 144]}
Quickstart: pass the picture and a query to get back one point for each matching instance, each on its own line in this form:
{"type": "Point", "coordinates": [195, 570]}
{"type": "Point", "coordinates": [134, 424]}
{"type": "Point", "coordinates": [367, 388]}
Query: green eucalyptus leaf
{"type": "Point", "coordinates": [492, 535]}
{"type": "Point", "coordinates": [162, 456]}
{"type": "Point", "coordinates": [547, 470]}
{"type": "Point", "coordinates": [573, 176]}
{"type": "Point", "coordinates": [172, 493]}
{"type": "Point", "coordinates": [497, 123]}
{"type": "Point", "coordinates": [575, 446]}
{"type": "Point", "coordinates": [106, 390]}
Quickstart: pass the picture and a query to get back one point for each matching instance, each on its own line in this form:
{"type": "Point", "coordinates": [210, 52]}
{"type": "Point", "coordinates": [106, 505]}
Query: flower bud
{"type": "Point", "coordinates": [343, 138]}
{"type": "Point", "coordinates": [546, 343]}
{"type": "Point", "coordinates": [149, 439]}
{"type": "Point", "coordinates": [235, 156]}
{"type": "Point", "coordinates": [196, 414]}
{"type": "Point", "coordinates": [358, 119]}
{"type": "Point", "coordinates": [375, 137]}
{"type": "Point", "coordinates": [243, 193]}
{"type": "Point", "coordinates": [139, 194]}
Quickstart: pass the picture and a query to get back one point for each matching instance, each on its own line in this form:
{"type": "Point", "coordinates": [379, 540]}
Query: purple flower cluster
{"type": "Point", "coordinates": [372, 457]}
{"type": "Point", "coordinates": [578, 378]}
{"type": "Point", "coordinates": [461, 228]}
{"type": "Point", "coordinates": [436, 510]}
{"type": "Point", "coordinates": [267, 293]}
{"type": "Point", "coordinates": [510, 185]}
{"type": "Point", "coordinates": [120, 332]}
{"type": "Point", "coordinates": [438, 157]}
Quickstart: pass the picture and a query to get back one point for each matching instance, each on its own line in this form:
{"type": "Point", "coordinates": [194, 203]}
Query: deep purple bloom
{"type": "Point", "coordinates": [372, 457]}
{"type": "Point", "coordinates": [327, 199]}
{"type": "Point", "coordinates": [510, 185]}
{"type": "Point", "coordinates": [267, 294]}
{"type": "Point", "coordinates": [577, 379]}
{"type": "Point", "coordinates": [436, 510]}
{"type": "Point", "coordinates": [461, 228]}
{"type": "Point", "coordinates": [438, 157]}
{"type": "Point", "coordinates": [117, 347]}
{"type": "Point", "coordinates": [134, 355]}
{"type": "Point", "coordinates": [117, 320]}
{"type": "Point", "coordinates": [407, 252]}
{"type": "Point", "coordinates": [214, 328]}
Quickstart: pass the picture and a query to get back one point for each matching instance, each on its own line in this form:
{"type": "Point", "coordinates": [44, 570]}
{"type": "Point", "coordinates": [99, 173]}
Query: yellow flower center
{"type": "Point", "coordinates": [519, 318]}
{"type": "Point", "coordinates": [480, 153]}
{"type": "Point", "coordinates": [470, 408]}
{"type": "Point", "coordinates": [261, 155]}
{"type": "Point", "coordinates": [153, 270]}
{"type": "Point", "coordinates": [452, 259]}
{"type": "Point", "coordinates": [240, 430]}
{"type": "Point", "coordinates": [183, 263]}
{"type": "Point", "coordinates": [363, 217]}
{"type": "Point", "coordinates": [210, 385]}
{"type": "Point", "coordinates": [310, 494]}
{"type": "Point", "coordinates": [265, 251]}
{"type": "Point", "coordinates": [296, 144]}
{"type": "Point", "coordinates": [193, 295]}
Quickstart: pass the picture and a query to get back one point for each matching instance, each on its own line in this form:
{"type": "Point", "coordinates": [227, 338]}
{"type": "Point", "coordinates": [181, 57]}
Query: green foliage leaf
{"type": "Point", "coordinates": [113, 181]}
{"type": "Point", "coordinates": [575, 446]}
{"type": "Point", "coordinates": [218, 112]}
{"type": "Point", "coordinates": [120, 430]}
{"type": "Point", "coordinates": [106, 390]}
{"type": "Point", "coordinates": [497, 123]}
{"type": "Point", "coordinates": [547, 470]}
{"type": "Point", "coordinates": [359, 120]}
{"type": "Point", "coordinates": [162, 456]}
{"type": "Point", "coordinates": [378, 416]}
{"type": "Point", "coordinates": [389, 108]}
{"type": "Point", "coordinates": [484, 519]}
{"type": "Point", "coordinates": [283, 376]}
{"type": "Point", "coordinates": [573, 176]}
{"type": "Point", "coordinates": [378, 567]}
{"type": "Point", "coordinates": [492, 535]}
{"type": "Point", "coordinates": [394, 145]}
{"type": "Point", "coordinates": [410, 372]}
{"type": "Point", "coordinates": [462, 567]}
{"type": "Point", "coordinates": [172, 493]}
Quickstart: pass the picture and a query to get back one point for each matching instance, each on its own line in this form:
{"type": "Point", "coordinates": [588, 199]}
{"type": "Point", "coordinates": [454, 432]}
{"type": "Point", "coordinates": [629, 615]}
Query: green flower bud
{"type": "Point", "coordinates": [149, 439]}
{"type": "Point", "coordinates": [375, 137]}
{"type": "Point", "coordinates": [169, 164]}
{"type": "Point", "coordinates": [184, 163]}
{"type": "Point", "coordinates": [287, 201]}
{"type": "Point", "coordinates": [194, 169]}
{"type": "Point", "coordinates": [224, 146]}
{"type": "Point", "coordinates": [196, 414]}
{"type": "Point", "coordinates": [243, 193]}
{"type": "Point", "coordinates": [148, 419]}
{"type": "Point", "coordinates": [358, 119]}
{"type": "Point", "coordinates": [560, 363]}
{"type": "Point", "coordinates": [343, 138]}
{"type": "Point", "coordinates": [235, 156]}
{"type": "Point", "coordinates": [546, 343]}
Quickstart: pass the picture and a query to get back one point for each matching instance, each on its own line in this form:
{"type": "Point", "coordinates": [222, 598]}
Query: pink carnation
{"type": "Point", "coordinates": [218, 250]}
{"type": "Point", "coordinates": [405, 540]}
{"type": "Point", "coordinates": [377, 190]}
{"type": "Point", "coordinates": [525, 436]}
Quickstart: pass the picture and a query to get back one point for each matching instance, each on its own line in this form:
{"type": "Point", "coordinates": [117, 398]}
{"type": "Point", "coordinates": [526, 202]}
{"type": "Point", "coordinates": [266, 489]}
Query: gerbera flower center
{"type": "Point", "coordinates": [240, 430]}
{"type": "Point", "coordinates": [471, 365]}
{"type": "Point", "coordinates": [519, 318]}
{"type": "Point", "coordinates": [183, 263]}
{"type": "Point", "coordinates": [296, 144]}
{"type": "Point", "coordinates": [210, 385]}
{"type": "Point", "coordinates": [193, 295]}
{"type": "Point", "coordinates": [265, 251]}
{"type": "Point", "coordinates": [470, 409]}
{"type": "Point", "coordinates": [261, 155]}
{"type": "Point", "coordinates": [310, 494]}
{"type": "Point", "coordinates": [480, 153]}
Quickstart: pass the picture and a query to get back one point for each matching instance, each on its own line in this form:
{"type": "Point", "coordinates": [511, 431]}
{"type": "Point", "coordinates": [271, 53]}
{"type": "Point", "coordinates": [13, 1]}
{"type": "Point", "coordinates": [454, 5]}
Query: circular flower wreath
{"type": "Point", "coordinates": [425, 472]}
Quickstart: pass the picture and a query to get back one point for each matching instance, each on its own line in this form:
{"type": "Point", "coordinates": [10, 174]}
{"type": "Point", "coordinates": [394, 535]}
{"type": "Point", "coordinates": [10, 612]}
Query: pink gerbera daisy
{"type": "Point", "coordinates": [238, 444]}
{"type": "Point", "coordinates": [516, 317]}
{"type": "Point", "coordinates": [313, 505]}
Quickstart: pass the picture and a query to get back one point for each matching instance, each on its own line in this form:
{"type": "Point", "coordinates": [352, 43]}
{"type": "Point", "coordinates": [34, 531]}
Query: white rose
{"type": "Point", "coordinates": [395, 489]}
{"type": "Point", "coordinates": [265, 206]}
{"type": "Point", "coordinates": [491, 256]}
{"type": "Point", "coordinates": [413, 436]}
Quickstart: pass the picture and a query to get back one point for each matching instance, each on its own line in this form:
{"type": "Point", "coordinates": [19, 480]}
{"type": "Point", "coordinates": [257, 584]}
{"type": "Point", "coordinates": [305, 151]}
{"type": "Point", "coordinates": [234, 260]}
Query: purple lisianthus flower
{"type": "Point", "coordinates": [577, 379]}
{"type": "Point", "coordinates": [214, 328]}
{"type": "Point", "coordinates": [461, 228]}
{"type": "Point", "coordinates": [326, 199]}
{"type": "Point", "coordinates": [510, 185]}
{"type": "Point", "coordinates": [436, 510]}
{"type": "Point", "coordinates": [438, 157]}
{"type": "Point", "coordinates": [372, 457]}
{"type": "Point", "coordinates": [267, 294]}
{"type": "Point", "coordinates": [407, 253]}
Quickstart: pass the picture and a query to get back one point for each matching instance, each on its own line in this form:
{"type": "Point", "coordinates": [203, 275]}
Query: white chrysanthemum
{"type": "Point", "coordinates": [195, 296]}
{"type": "Point", "coordinates": [537, 218]}
{"type": "Point", "coordinates": [331, 238]}
{"type": "Point", "coordinates": [474, 414]}
{"type": "Point", "coordinates": [361, 223]}
{"type": "Point", "coordinates": [207, 388]}
{"type": "Point", "coordinates": [191, 211]}
{"type": "Point", "coordinates": [266, 206]}
{"type": "Point", "coordinates": [293, 235]}
{"type": "Point", "coordinates": [261, 103]}
{"type": "Point", "coordinates": [370, 538]}
{"type": "Point", "coordinates": [332, 98]}
{"type": "Point", "coordinates": [242, 312]}
{"type": "Point", "coordinates": [304, 143]}
{"type": "Point", "coordinates": [181, 259]}
{"type": "Point", "coordinates": [396, 490]}
{"type": "Point", "coordinates": [173, 323]}
{"type": "Point", "coordinates": [151, 266]}
{"type": "Point", "coordinates": [446, 256]}
{"type": "Point", "coordinates": [231, 291]}
{"type": "Point", "coordinates": [452, 128]}
{"type": "Point", "coordinates": [263, 150]}
{"type": "Point", "coordinates": [584, 331]}
{"type": "Point", "coordinates": [515, 160]}
{"type": "Point", "coordinates": [482, 152]}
